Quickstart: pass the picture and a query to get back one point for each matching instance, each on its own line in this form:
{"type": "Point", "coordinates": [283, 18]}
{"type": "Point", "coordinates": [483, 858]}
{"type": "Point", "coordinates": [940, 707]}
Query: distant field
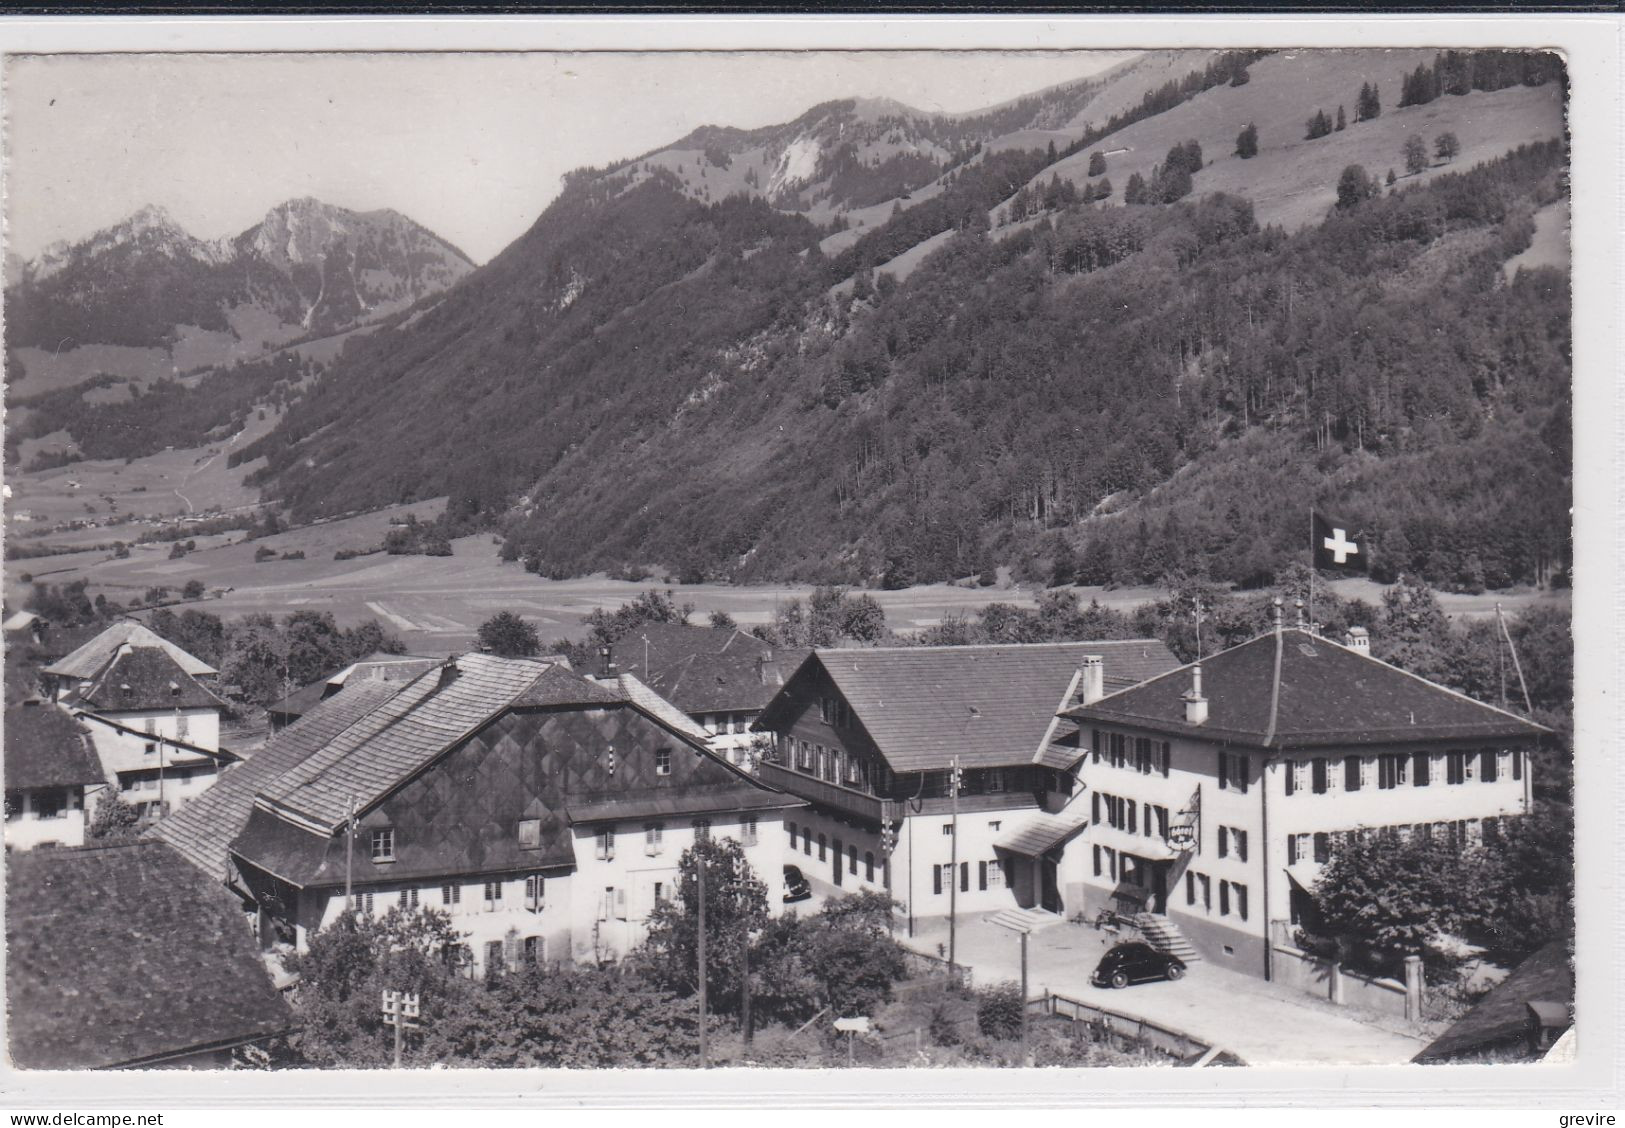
{"type": "Point", "coordinates": [435, 604]}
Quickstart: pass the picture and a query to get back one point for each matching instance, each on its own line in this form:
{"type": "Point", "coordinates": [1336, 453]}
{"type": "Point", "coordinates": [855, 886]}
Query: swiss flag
{"type": "Point", "coordinates": [1339, 545]}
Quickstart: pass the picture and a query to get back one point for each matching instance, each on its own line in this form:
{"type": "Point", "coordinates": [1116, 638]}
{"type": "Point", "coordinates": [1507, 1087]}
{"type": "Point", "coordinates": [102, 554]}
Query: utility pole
{"type": "Point", "coordinates": [954, 777]}
{"type": "Point", "coordinates": [699, 878]}
{"type": "Point", "coordinates": [1025, 1060]}
{"type": "Point", "coordinates": [400, 1011]}
{"type": "Point", "coordinates": [349, 856]}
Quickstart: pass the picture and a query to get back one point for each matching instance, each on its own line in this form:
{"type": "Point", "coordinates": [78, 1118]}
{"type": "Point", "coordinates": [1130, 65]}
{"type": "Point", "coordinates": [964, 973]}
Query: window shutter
{"type": "Point", "coordinates": [936, 880]}
{"type": "Point", "coordinates": [981, 876]}
{"type": "Point", "coordinates": [1094, 807]}
{"type": "Point", "coordinates": [964, 877]}
{"type": "Point", "coordinates": [1517, 763]}
{"type": "Point", "coordinates": [1224, 771]}
{"type": "Point", "coordinates": [1167, 758]}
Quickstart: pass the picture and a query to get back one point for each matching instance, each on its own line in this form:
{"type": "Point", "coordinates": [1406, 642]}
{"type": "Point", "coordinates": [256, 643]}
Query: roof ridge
{"type": "Point", "coordinates": [947, 648]}
{"type": "Point", "coordinates": [1435, 685]}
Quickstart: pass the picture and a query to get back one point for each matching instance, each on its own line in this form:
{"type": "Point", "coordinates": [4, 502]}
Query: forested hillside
{"type": "Point", "coordinates": [1104, 394]}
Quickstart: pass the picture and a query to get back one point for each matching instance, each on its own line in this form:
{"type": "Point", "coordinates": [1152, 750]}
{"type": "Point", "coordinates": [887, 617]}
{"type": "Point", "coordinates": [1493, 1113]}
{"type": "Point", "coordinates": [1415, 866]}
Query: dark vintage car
{"type": "Point", "coordinates": [1136, 963]}
{"type": "Point", "coordinates": [795, 886]}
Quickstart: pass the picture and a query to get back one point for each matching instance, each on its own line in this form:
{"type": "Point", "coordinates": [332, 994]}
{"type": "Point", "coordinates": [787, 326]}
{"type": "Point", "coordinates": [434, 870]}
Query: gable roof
{"type": "Point", "coordinates": [703, 669]}
{"type": "Point", "coordinates": [1293, 689]}
{"type": "Point", "coordinates": [119, 955]}
{"type": "Point", "coordinates": [403, 735]}
{"type": "Point", "coordinates": [89, 659]}
{"type": "Point", "coordinates": [46, 747]}
{"type": "Point", "coordinates": [203, 828]}
{"type": "Point", "coordinates": [987, 705]}
{"type": "Point", "coordinates": [629, 688]}
{"type": "Point", "coordinates": [1502, 1016]}
{"type": "Point", "coordinates": [143, 678]}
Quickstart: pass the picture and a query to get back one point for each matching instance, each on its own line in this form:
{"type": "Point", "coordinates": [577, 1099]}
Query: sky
{"type": "Point", "coordinates": [471, 146]}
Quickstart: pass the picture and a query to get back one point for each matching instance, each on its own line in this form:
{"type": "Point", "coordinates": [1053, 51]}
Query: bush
{"type": "Point", "coordinates": [998, 1011]}
{"type": "Point", "coordinates": [944, 1030]}
{"type": "Point", "coordinates": [262, 554]}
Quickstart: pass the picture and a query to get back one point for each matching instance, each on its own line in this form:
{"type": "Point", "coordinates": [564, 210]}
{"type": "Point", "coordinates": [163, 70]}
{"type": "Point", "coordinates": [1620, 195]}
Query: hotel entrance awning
{"type": "Point", "coordinates": [1040, 832]}
{"type": "Point", "coordinates": [1149, 847]}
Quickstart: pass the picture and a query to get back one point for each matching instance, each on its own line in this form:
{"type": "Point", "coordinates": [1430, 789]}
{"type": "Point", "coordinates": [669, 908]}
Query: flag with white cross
{"type": "Point", "coordinates": [1339, 545]}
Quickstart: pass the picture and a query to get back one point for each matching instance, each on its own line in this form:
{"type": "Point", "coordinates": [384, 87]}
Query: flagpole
{"type": "Point", "coordinates": [1311, 569]}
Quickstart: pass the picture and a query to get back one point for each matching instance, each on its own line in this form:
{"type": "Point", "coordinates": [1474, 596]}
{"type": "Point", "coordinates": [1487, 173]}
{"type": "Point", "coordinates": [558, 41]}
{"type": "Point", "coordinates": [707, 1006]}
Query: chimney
{"type": "Point", "coordinates": [606, 665]}
{"type": "Point", "coordinates": [1091, 679]}
{"type": "Point", "coordinates": [448, 673]}
{"type": "Point", "coordinates": [1358, 639]}
{"type": "Point", "coordinates": [1195, 703]}
{"type": "Point", "coordinates": [1298, 604]}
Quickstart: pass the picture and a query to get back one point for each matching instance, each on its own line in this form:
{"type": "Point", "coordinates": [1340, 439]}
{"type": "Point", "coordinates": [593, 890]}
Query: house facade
{"type": "Point", "coordinates": [543, 811]}
{"type": "Point", "coordinates": [49, 767]}
{"type": "Point", "coordinates": [1216, 792]}
{"type": "Point", "coordinates": [871, 740]}
{"type": "Point", "coordinates": [155, 729]}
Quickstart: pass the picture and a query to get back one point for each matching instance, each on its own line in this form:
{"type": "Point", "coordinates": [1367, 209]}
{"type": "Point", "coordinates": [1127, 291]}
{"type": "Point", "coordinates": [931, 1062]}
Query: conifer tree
{"type": "Point", "coordinates": [1342, 120]}
{"type": "Point", "coordinates": [1247, 142]}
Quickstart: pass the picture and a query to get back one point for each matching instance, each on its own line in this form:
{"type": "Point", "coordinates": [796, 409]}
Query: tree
{"type": "Point", "coordinates": [1097, 163]}
{"type": "Point", "coordinates": [852, 955]}
{"type": "Point", "coordinates": [1445, 146]}
{"type": "Point", "coordinates": [193, 589]}
{"type": "Point", "coordinates": [313, 646]}
{"type": "Point", "coordinates": [1391, 178]}
{"type": "Point", "coordinates": [114, 818]}
{"type": "Point", "coordinates": [1247, 142]}
{"type": "Point", "coordinates": [735, 907]}
{"type": "Point", "coordinates": [1416, 154]}
{"type": "Point", "coordinates": [508, 636]}
{"type": "Point", "coordinates": [253, 660]}
{"type": "Point", "coordinates": [1382, 899]}
{"type": "Point", "coordinates": [1369, 104]}
{"type": "Point", "coordinates": [1318, 126]}
{"type": "Point", "coordinates": [351, 962]}
{"type": "Point", "coordinates": [1240, 77]}
{"type": "Point", "coordinates": [1354, 187]}
{"type": "Point", "coordinates": [720, 620]}
{"type": "Point", "coordinates": [1342, 120]}
{"type": "Point", "coordinates": [1134, 191]}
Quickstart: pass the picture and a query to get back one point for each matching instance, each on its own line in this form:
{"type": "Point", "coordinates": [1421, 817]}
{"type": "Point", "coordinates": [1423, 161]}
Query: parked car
{"type": "Point", "coordinates": [795, 886]}
{"type": "Point", "coordinates": [1136, 963]}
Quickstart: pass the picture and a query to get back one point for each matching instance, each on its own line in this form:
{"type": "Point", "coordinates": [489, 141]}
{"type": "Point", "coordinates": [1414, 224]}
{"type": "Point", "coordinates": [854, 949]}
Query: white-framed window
{"type": "Point", "coordinates": [1299, 779]}
{"type": "Point", "coordinates": [604, 844]}
{"type": "Point", "coordinates": [993, 780]}
{"type": "Point", "coordinates": [535, 950]}
{"type": "Point", "coordinates": [747, 830]}
{"type": "Point", "coordinates": [493, 896]}
{"type": "Point", "coordinates": [702, 830]}
{"type": "Point", "coordinates": [383, 844]}
{"type": "Point", "coordinates": [365, 903]}
{"type": "Point", "coordinates": [451, 894]}
{"type": "Point", "coordinates": [535, 892]}
{"type": "Point", "coordinates": [654, 838]}
{"type": "Point", "coordinates": [409, 898]}
{"type": "Point", "coordinates": [947, 830]}
{"type": "Point", "coordinates": [662, 761]}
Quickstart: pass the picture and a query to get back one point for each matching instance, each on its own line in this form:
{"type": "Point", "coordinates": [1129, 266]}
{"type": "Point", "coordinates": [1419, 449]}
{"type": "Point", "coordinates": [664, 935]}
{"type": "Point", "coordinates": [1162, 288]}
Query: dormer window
{"type": "Point", "coordinates": [383, 844]}
{"type": "Point", "coordinates": [174, 689]}
{"type": "Point", "coordinates": [662, 761]}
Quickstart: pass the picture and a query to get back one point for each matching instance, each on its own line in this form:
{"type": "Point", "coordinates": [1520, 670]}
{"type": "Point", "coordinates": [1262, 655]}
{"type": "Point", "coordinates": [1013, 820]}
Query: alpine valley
{"type": "Point", "coordinates": [1122, 329]}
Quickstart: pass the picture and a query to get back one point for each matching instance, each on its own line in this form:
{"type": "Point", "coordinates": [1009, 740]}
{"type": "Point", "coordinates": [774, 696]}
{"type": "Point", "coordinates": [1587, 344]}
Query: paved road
{"type": "Point", "coordinates": [1262, 1023]}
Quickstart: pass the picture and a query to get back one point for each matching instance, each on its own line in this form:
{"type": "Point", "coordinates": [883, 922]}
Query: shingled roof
{"type": "Point", "coordinates": [46, 747]}
{"type": "Point", "coordinates": [988, 705]}
{"type": "Point", "coordinates": [144, 678]}
{"type": "Point", "coordinates": [1293, 689]}
{"type": "Point", "coordinates": [401, 736]}
{"type": "Point", "coordinates": [702, 669]}
{"type": "Point", "coordinates": [629, 688]}
{"type": "Point", "coordinates": [1502, 1016]}
{"type": "Point", "coordinates": [126, 955]}
{"type": "Point", "coordinates": [203, 828]}
{"type": "Point", "coordinates": [89, 659]}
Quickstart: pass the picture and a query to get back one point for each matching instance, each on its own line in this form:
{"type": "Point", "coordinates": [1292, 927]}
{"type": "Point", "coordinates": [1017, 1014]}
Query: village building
{"type": "Point", "coordinates": [721, 678]}
{"type": "Point", "coordinates": [544, 812]}
{"type": "Point", "coordinates": [125, 956]}
{"type": "Point", "coordinates": [871, 739]}
{"type": "Point", "coordinates": [87, 661]}
{"type": "Point", "coordinates": [1216, 792]}
{"type": "Point", "coordinates": [155, 728]}
{"type": "Point", "coordinates": [49, 765]}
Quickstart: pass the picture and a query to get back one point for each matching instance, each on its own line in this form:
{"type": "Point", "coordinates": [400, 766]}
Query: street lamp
{"type": "Point", "coordinates": [1023, 930]}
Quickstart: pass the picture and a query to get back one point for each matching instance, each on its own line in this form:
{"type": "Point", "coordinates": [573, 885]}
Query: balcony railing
{"type": "Point", "coordinates": [825, 794]}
